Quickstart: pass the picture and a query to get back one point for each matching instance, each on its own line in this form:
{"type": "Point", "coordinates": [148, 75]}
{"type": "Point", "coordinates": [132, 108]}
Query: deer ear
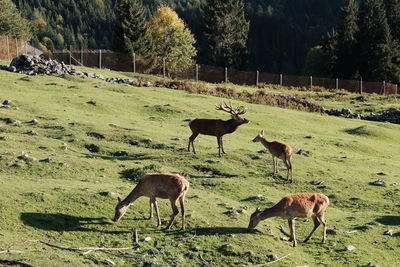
{"type": "Point", "coordinates": [262, 132]}
{"type": "Point", "coordinates": [258, 210]}
{"type": "Point", "coordinates": [119, 199]}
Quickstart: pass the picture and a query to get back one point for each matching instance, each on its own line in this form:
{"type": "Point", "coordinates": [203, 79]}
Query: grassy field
{"type": "Point", "coordinates": [67, 195]}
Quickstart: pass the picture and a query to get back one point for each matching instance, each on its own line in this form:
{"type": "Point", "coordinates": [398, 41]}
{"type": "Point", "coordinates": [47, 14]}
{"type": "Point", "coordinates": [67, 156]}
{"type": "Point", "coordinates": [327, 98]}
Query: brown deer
{"type": "Point", "coordinates": [162, 185]}
{"type": "Point", "coordinates": [217, 128]}
{"type": "Point", "coordinates": [278, 150]}
{"type": "Point", "coordinates": [301, 205]}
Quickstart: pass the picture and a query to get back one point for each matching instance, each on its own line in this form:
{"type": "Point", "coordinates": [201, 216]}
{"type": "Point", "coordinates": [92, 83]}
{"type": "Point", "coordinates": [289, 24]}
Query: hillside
{"type": "Point", "coordinates": [66, 195]}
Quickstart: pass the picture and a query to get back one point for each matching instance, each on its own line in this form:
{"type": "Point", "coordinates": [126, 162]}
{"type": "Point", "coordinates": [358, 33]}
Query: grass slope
{"type": "Point", "coordinates": [69, 201]}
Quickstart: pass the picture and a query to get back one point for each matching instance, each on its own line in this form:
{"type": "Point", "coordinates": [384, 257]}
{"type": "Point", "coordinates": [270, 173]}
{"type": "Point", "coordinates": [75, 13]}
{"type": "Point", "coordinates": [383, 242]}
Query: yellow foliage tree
{"type": "Point", "coordinates": [172, 40]}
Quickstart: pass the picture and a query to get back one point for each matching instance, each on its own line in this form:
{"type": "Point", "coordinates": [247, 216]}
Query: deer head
{"type": "Point", "coordinates": [254, 219]}
{"type": "Point", "coordinates": [120, 210]}
{"type": "Point", "coordinates": [259, 137]}
{"type": "Point", "coordinates": [235, 112]}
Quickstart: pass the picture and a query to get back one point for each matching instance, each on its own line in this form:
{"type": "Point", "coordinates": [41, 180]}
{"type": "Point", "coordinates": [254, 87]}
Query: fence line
{"type": "Point", "coordinates": [129, 62]}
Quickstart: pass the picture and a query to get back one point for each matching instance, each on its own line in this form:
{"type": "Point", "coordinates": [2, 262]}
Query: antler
{"type": "Point", "coordinates": [228, 108]}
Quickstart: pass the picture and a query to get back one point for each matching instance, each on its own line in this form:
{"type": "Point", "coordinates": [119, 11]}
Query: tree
{"type": "Point", "coordinates": [12, 23]}
{"type": "Point", "coordinates": [172, 40]}
{"type": "Point", "coordinates": [132, 22]}
{"type": "Point", "coordinates": [393, 15]}
{"type": "Point", "coordinates": [226, 31]}
{"type": "Point", "coordinates": [345, 65]}
{"type": "Point", "coordinates": [316, 63]}
{"type": "Point", "coordinates": [378, 53]}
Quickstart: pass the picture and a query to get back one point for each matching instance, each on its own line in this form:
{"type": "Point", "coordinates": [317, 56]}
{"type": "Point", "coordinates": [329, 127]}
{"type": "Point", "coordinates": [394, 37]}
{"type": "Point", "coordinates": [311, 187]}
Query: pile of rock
{"type": "Point", "coordinates": [392, 115]}
{"type": "Point", "coordinates": [34, 65]}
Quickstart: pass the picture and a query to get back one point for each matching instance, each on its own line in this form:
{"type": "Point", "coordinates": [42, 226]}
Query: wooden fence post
{"type": "Point", "coordinates": [81, 56]}
{"type": "Point", "coordinates": [337, 84]}
{"type": "Point", "coordinates": [226, 75]}
{"type": "Point", "coordinates": [100, 59]}
{"type": "Point", "coordinates": [396, 89]}
{"type": "Point", "coordinates": [311, 83]}
{"type": "Point", "coordinates": [384, 87]}
{"type": "Point", "coordinates": [70, 55]}
{"type": "Point", "coordinates": [8, 49]}
{"type": "Point", "coordinates": [197, 72]}
{"type": "Point", "coordinates": [26, 47]}
{"type": "Point", "coordinates": [134, 62]}
{"type": "Point", "coordinates": [257, 78]}
{"type": "Point", "coordinates": [164, 67]}
{"type": "Point", "coordinates": [280, 79]}
{"type": "Point", "coordinates": [16, 47]}
{"type": "Point", "coordinates": [361, 85]}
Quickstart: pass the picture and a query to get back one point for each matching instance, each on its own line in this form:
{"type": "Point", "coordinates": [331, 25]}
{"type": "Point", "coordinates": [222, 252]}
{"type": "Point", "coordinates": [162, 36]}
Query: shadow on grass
{"type": "Point", "coordinates": [122, 158]}
{"type": "Point", "coordinates": [389, 220]}
{"type": "Point", "coordinates": [62, 222]}
{"type": "Point", "coordinates": [223, 231]}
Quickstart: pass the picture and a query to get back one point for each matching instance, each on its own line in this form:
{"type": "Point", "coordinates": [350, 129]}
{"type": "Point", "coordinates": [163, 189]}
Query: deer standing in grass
{"type": "Point", "coordinates": [301, 205]}
{"type": "Point", "coordinates": [217, 128]}
{"type": "Point", "coordinates": [171, 186]}
{"type": "Point", "coordinates": [278, 150]}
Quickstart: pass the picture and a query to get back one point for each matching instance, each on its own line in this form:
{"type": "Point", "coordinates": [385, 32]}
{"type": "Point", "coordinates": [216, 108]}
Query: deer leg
{"type": "Point", "coordinates": [219, 146]}
{"type": "Point", "coordinates": [182, 203]}
{"type": "Point", "coordinates": [151, 208]}
{"type": "Point", "coordinates": [321, 218]}
{"type": "Point", "coordinates": [273, 166]}
{"type": "Point", "coordinates": [288, 169]}
{"type": "Point", "coordinates": [316, 224]}
{"type": "Point", "coordinates": [291, 168]}
{"type": "Point", "coordinates": [157, 213]}
{"type": "Point", "coordinates": [191, 141]}
{"type": "Point", "coordinates": [222, 145]}
{"type": "Point", "coordinates": [175, 212]}
{"type": "Point", "coordinates": [292, 231]}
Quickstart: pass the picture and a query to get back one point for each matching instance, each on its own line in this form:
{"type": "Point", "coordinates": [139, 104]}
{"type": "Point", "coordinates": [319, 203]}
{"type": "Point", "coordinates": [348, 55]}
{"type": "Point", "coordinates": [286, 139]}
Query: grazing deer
{"type": "Point", "coordinates": [217, 128]}
{"type": "Point", "coordinates": [301, 205]}
{"type": "Point", "coordinates": [278, 150]}
{"type": "Point", "coordinates": [171, 186]}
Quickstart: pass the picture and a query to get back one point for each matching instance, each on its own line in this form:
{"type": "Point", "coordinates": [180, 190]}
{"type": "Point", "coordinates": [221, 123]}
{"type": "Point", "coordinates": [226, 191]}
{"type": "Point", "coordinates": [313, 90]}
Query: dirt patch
{"type": "Point", "coordinates": [95, 135]}
{"type": "Point", "coordinates": [93, 148]}
{"type": "Point", "coordinates": [211, 171]}
{"type": "Point", "coordinates": [52, 127]}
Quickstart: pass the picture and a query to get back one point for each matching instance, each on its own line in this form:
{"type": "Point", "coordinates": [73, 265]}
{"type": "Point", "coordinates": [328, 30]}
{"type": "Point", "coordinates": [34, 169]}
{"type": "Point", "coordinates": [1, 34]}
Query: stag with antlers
{"type": "Point", "coordinates": [217, 128]}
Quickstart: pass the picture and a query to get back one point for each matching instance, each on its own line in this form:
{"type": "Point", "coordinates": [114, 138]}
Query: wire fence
{"type": "Point", "coordinates": [129, 62]}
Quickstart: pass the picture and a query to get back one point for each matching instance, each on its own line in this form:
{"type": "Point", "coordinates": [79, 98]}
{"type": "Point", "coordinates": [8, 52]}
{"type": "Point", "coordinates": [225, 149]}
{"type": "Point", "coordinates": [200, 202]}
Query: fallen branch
{"type": "Point", "coordinates": [204, 261]}
{"type": "Point", "coordinates": [88, 250]}
{"type": "Point", "coordinates": [18, 263]}
{"type": "Point", "coordinates": [271, 262]}
{"type": "Point", "coordinates": [283, 231]}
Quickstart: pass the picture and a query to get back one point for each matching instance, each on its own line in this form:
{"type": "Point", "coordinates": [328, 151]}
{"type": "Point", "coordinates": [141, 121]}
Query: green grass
{"type": "Point", "coordinates": [68, 201]}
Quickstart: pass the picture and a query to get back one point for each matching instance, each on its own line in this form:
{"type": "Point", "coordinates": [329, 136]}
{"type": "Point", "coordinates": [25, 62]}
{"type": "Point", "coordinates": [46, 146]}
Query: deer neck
{"type": "Point", "coordinates": [265, 142]}
{"type": "Point", "coordinates": [270, 212]}
{"type": "Point", "coordinates": [232, 125]}
{"type": "Point", "coordinates": [135, 194]}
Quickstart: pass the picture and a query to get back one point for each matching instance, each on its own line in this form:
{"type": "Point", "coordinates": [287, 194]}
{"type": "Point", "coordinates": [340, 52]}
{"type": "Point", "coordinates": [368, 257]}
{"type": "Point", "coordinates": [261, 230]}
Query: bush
{"type": "Point", "coordinates": [137, 173]}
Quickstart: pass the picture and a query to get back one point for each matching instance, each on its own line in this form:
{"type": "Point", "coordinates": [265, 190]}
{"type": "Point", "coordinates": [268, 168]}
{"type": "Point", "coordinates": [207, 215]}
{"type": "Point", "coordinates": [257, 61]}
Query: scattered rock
{"type": "Point", "coordinates": [95, 135]}
{"type": "Point", "coordinates": [303, 153]}
{"type": "Point", "coordinates": [6, 102]}
{"type": "Point", "coordinates": [147, 239]}
{"type": "Point", "coordinates": [256, 157]}
{"type": "Point", "coordinates": [388, 232]}
{"type": "Point", "coordinates": [308, 137]}
{"type": "Point", "coordinates": [394, 184]}
{"type": "Point", "coordinates": [195, 249]}
{"type": "Point", "coordinates": [91, 102]}
{"type": "Point", "coordinates": [49, 159]}
{"type": "Point", "coordinates": [255, 197]}
{"type": "Point", "coordinates": [34, 121]}
{"type": "Point", "coordinates": [93, 148]}
{"type": "Point", "coordinates": [5, 138]}
{"type": "Point", "coordinates": [381, 173]}
{"type": "Point", "coordinates": [32, 132]}
{"type": "Point", "coordinates": [350, 247]}
{"type": "Point", "coordinates": [379, 182]}
{"type": "Point", "coordinates": [316, 182]}
{"type": "Point", "coordinates": [120, 154]}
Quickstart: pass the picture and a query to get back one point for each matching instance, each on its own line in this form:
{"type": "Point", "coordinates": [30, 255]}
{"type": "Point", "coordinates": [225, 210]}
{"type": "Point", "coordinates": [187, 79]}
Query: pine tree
{"type": "Point", "coordinates": [378, 53]}
{"type": "Point", "coordinates": [345, 66]}
{"type": "Point", "coordinates": [226, 31]}
{"type": "Point", "coordinates": [393, 14]}
{"type": "Point", "coordinates": [133, 25]}
{"type": "Point", "coordinates": [12, 23]}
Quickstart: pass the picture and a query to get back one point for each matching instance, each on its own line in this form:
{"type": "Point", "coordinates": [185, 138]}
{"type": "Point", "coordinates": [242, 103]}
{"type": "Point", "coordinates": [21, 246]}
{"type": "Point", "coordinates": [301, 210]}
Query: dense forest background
{"type": "Point", "coordinates": [281, 31]}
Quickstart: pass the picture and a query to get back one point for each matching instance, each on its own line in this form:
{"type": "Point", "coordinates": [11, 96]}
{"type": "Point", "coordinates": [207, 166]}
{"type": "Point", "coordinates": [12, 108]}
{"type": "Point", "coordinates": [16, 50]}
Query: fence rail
{"type": "Point", "coordinates": [199, 72]}
{"type": "Point", "coordinates": [128, 62]}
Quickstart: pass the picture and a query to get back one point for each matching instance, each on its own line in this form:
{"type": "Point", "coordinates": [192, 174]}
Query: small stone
{"type": "Point", "coordinates": [255, 196]}
{"type": "Point", "coordinates": [6, 102]}
{"type": "Point", "coordinates": [241, 211]}
{"type": "Point", "coordinates": [379, 182]}
{"type": "Point", "coordinates": [303, 152]}
{"type": "Point", "coordinates": [147, 239]}
{"type": "Point", "coordinates": [49, 159]}
{"type": "Point", "coordinates": [388, 232]}
{"type": "Point", "coordinates": [394, 184]}
{"type": "Point", "coordinates": [350, 247]}
{"type": "Point", "coordinates": [256, 157]}
{"type": "Point", "coordinates": [32, 132]}
{"type": "Point", "coordinates": [308, 137]}
{"type": "Point", "coordinates": [195, 249]}
{"type": "Point", "coordinates": [332, 244]}
{"type": "Point", "coordinates": [34, 121]}
{"type": "Point", "coordinates": [15, 122]}
{"type": "Point", "coordinates": [32, 159]}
